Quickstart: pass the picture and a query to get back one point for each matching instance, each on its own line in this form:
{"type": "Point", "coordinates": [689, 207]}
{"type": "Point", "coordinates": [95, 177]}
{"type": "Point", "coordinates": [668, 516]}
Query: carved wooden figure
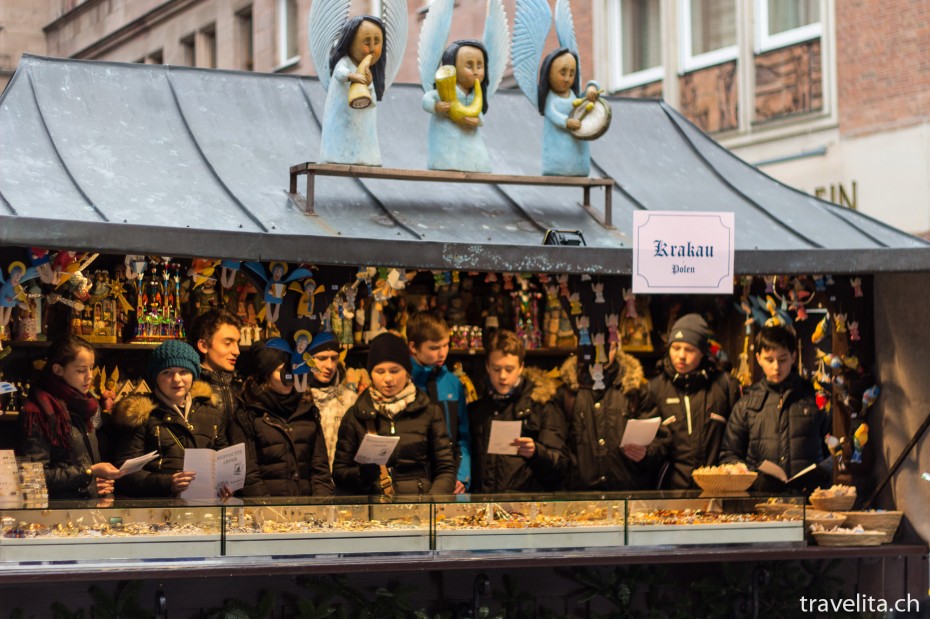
{"type": "Point", "coordinates": [459, 82]}
{"type": "Point", "coordinates": [356, 59]}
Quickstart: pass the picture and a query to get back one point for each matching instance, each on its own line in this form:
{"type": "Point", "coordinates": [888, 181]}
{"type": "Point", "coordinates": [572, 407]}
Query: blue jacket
{"type": "Point", "coordinates": [446, 390]}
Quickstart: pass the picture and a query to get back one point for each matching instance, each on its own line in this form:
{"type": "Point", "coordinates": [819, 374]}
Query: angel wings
{"type": "Point", "coordinates": [357, 60]}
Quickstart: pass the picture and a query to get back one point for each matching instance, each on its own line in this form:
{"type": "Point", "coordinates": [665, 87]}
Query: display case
{"type": "Point", "coordinates": [340, 526]}
{"type": "Point", "coordinates": [434, 526]}
{"type": "Point", "coordinates": [98, 531]}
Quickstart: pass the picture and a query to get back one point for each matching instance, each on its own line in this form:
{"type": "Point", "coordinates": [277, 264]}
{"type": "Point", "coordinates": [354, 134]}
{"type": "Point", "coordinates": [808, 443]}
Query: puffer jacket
{"type": "Point", "coordinates": [227, 386]}
{"type": "Point", "coordinates": [597, 421]}
{"type": "Point", "coordinates": [780, 423]}
{"type": "Point", "coordinates": [289, 453]}
{"type": "Point", "coordinates": [422, 462]}
{"type": "Point", "coordinates": [147, 424]}
{"type": "Point", "coordinates": [66, 475]}
{"type": "Point", "coordinates": [695, 408]}
{"type": "Point", "coordinates": [533, 405]}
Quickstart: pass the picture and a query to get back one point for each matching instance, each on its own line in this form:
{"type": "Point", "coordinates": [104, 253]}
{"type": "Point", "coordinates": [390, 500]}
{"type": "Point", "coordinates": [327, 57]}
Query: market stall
{"type": "Point", "coordinates": [144, 160]}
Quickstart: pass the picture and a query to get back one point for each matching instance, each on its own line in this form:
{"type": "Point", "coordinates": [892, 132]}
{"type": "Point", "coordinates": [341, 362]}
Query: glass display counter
{"type": "Point", "coordinates": [431, 526]}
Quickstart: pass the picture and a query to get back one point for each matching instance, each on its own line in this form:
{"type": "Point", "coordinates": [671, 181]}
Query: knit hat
{"type": "Point", "coordinates": [388, 347]}
{"type": "Point", "coordinates": [691, 329]}
{"type": "Point", "coordinates": [172, 354]}
{"type": "Point", "coordinates": [324, 340]}
{"type": "Point", "coordinates": [269, 356]}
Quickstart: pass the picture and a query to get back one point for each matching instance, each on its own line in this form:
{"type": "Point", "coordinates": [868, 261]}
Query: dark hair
{"type": "Point", "coordinates": [65, 350]}
{"type": "Point", "coordinates": [449, 56]}
{"type": "Point", "coordinates": [344, 42]}
{"type": "Point", "coordinates": [776, 336]}
{"type": "Point", "coordinates": [426, 327]}
{"type": "Point", "coordinates": [207, 324]}
{"type": "Point", "coordinates": [542, 88]}
{"type": "Point", "coordinates": [506, 342]}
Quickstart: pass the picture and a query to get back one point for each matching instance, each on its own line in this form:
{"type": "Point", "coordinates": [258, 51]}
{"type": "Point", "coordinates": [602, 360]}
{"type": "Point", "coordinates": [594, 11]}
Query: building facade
{"type": "Point", "coordinates": [828, 96]}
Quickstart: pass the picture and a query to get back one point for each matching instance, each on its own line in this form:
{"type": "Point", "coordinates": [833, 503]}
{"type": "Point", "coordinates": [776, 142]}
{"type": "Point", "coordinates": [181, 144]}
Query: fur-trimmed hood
{"type": "Point", "coordinates": [630, 377]}
{"type": "Point", "coordinates": [133, 410]}
{"type": "Point", "coordinates": [544, 386]}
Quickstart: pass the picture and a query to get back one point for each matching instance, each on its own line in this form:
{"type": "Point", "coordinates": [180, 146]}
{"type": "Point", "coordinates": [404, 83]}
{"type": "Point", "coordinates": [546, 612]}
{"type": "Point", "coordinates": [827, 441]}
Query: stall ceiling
{"type": "Point", "coordinates": [190, 162]}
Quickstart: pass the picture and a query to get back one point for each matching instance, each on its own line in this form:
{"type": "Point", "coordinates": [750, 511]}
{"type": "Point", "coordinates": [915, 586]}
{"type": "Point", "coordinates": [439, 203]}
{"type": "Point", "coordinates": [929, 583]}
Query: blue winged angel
{"type": "Point", "coordinates": [459, 82]}
{"type": "Point", "coordinates": [356, 59]}
{"type": "Point", "coordinates": [554, 87]}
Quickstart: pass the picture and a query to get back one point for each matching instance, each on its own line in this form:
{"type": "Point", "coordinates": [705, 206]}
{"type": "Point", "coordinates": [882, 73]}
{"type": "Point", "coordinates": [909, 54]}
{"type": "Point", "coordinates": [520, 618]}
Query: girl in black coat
{"type": "Point", "coordinates": [280, 426]}
{"type": "Point", "coordinates": [422, 462]}
{"type": "Point", "coordinates": [59, 421]}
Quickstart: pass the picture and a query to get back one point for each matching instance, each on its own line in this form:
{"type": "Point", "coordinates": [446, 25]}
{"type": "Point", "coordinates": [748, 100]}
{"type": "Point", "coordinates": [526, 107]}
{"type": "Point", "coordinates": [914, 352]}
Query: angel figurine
{"type": "Point", "coordinates": [275, 285]}
{"type": "Point", "coordinates": [555, 90]}
{"type": "Point", "coordinates": [12, 293]}
{"type": "Point", "coordinates": [356, 60]}
{"type": "Point", "coordinates": [459, 83]}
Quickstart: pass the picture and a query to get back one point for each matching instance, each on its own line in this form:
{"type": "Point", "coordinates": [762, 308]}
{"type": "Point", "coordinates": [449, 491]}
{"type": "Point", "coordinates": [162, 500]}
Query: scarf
{"type": "Point", "coordinates": [505, 397]}
{"type": "Point", "coordinates": [282, 406]}
{"type": "Point", "coordinates": [692, 381]}
{"type": "Point", "coordinates": [390, 406]}
{"type": "Point", "coordinates": [54, 403]}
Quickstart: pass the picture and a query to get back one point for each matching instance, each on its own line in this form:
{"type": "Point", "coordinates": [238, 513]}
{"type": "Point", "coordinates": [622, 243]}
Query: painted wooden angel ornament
{"type": "Point", "coordinates": [572, 116]}
{"type": "Point", "coordinates": [275, 285]}
{"type": "Point", "coordinates": [356, 60]}
{"type": "Point", "coordinates": [459, 82]}
{"type": "Point", "coordinates": [12, 293]}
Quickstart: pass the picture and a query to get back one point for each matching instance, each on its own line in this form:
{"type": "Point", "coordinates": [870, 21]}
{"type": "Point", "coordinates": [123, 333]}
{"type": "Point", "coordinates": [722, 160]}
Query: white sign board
{"type": "Point", "coordinates": [683, 252]}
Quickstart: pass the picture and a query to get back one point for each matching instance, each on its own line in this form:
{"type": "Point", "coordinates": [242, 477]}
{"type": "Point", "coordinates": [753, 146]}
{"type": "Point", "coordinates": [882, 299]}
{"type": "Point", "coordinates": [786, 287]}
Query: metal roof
{"type": "Point", "coordinates": [192, 162]}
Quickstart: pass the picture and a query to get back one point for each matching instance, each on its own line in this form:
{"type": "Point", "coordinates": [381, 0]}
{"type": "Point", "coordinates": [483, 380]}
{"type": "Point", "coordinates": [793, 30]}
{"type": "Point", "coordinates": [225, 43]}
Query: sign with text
{"type": "Point", "coordinates": [683, 252]}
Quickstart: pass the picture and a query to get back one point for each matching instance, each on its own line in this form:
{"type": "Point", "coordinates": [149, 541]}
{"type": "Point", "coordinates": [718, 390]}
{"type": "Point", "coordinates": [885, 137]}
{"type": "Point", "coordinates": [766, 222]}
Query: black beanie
{"type": "Point", "coordinates": [267, 359]}
{"type": "Point", "coordinates": [389, 347]}
{"type": "Point", "coordinates": [691, 329]}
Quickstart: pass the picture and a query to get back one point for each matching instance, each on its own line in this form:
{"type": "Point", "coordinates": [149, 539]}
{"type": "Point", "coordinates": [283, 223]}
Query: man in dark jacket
{"type": "Point", "coordinates": [777, 419]}
{"type": "Point", "coordinates": [694, 399]}
{"type": "Point", "coordinates": [515, 394]}
{"type": "Point", "coordinates": [215, 335]}
{"type": "Point", "coordinates": [597, 419]}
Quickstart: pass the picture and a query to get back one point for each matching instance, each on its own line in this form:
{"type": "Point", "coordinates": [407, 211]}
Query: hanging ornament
{"type": "Point", "coordinates": [600, 354]}
{"type": "Point", "coordinates": [856, 283]}
{"type": "Point", "coordinates": [563, 284]}
{"type": "Point", "coordinates": [598, 289]}
{"type": "Point", "coordinates": [854, 331]}
{"type": "Point", "coordinates": [821, 330]}
{"type": "Point", "coordinates": [574, 302]}
{"type": "Point", "coordinates": [630, 300]}
{"type": "Point", "coordinates": [584, 336]}
{"type": "Point", "coordinates": [613, 333]}
{"type": "Point", "coordinates": [597, 376]}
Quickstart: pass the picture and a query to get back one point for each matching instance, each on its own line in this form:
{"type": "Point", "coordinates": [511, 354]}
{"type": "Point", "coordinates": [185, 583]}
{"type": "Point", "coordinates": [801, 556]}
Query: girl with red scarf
{"type": "Point", "coordinates": [58, 424]}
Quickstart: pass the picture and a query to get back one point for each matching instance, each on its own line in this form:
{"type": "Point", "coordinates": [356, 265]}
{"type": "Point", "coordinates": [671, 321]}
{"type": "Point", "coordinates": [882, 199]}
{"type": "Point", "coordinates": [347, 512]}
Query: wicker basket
{"type": "Point", "coordinates": [832, 538]}
{"type": "Point", "coordinates": [833, 503]}
{"type": "Point", "coordinates": [886, 522]}
{"type": "Point", "coordinates": [827, 519]}
{"type": "Point", "coordinates": [724, 483]}
{"type": "Point", "coordinates": [774, 509]}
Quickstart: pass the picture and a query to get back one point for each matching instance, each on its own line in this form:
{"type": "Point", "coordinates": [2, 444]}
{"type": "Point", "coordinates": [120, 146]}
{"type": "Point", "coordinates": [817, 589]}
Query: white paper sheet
{"type": "Point", "coordinates": [503, 434]}
{"type": "Point", "coordinates": [376, 449]}
{"type": "Point", "coordinates": [136, 464]}
{"type": "Point", "coordinates": [640, 431]}
{"type": "Point", "coordinates": [214, 469]}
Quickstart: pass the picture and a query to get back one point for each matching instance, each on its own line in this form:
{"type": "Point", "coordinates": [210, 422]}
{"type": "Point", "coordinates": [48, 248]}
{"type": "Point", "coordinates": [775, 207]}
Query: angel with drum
{"type": "Point", "coordinates": [356, 60]}
{"type": "Point", "coordinates": [459, 82]}
{"type": "Point", "coordinates": [572, 117]}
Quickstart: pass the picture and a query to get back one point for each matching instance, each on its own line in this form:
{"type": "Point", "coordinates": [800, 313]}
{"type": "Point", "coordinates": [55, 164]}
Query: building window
{"type": "Point", "coordinates": [288, 50]}
{"type": "Point", "coordinates": [785, 22]}
{"type": "Point", "coordinates": [188, 51]}
{"type": "Point", "coordinates": [636, 42]}
{"type": "Point", "coordinates": [156, 57]}
{"type": "Point", "coordinates": [245, 54]}
{"type": "Point", "coordinates": [707, 33]}
{"type": "Point", "coordinates": [208, 47]}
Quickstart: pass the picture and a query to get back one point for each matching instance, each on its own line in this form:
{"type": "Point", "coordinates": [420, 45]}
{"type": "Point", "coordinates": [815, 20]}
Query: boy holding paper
{"type": "Point", "coordinates": [694, 399]}
{"type": "Point", "coordinates": [777, 419]}
{"type": "Point", "coordinates": [598, 416]}
{"type": "Point", "coordinates": [536, 458]}
{"type": "Point", "coordinates": [181, 412]}
{"type": "Point", "coordinates": [422, 460]}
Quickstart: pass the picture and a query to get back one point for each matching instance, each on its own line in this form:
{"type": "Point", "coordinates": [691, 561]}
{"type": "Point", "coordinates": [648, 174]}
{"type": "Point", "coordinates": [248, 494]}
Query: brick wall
{"type": "Point", "coordinates": [883, 64]}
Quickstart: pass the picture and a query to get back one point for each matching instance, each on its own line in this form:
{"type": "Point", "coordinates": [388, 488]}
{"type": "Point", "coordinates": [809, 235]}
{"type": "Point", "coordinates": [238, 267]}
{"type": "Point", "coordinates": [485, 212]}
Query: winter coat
{"type": "Point", "coordinates": [695, 408]}
{"type": "Point", "coordinates": [332, 400]}
{"type": "Point", "coordinates": [66, 476]}
{"type": "Point", "coordinates": [780, 423]}
{"type": "Point", "coordinates": [445, 389]}
{"type": "Point", "coordinates": [422, 462]}
{"type": "Point", "coordinates": [597, 420]}
{"type": "Point", "coordinates": [227, 386]}
{"type": "Point", "coordinates": [147, 424]}
{"type": "Point", "coordinates": [542, 419]}
{"type": "Point", "coordinates": [288, 454]}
